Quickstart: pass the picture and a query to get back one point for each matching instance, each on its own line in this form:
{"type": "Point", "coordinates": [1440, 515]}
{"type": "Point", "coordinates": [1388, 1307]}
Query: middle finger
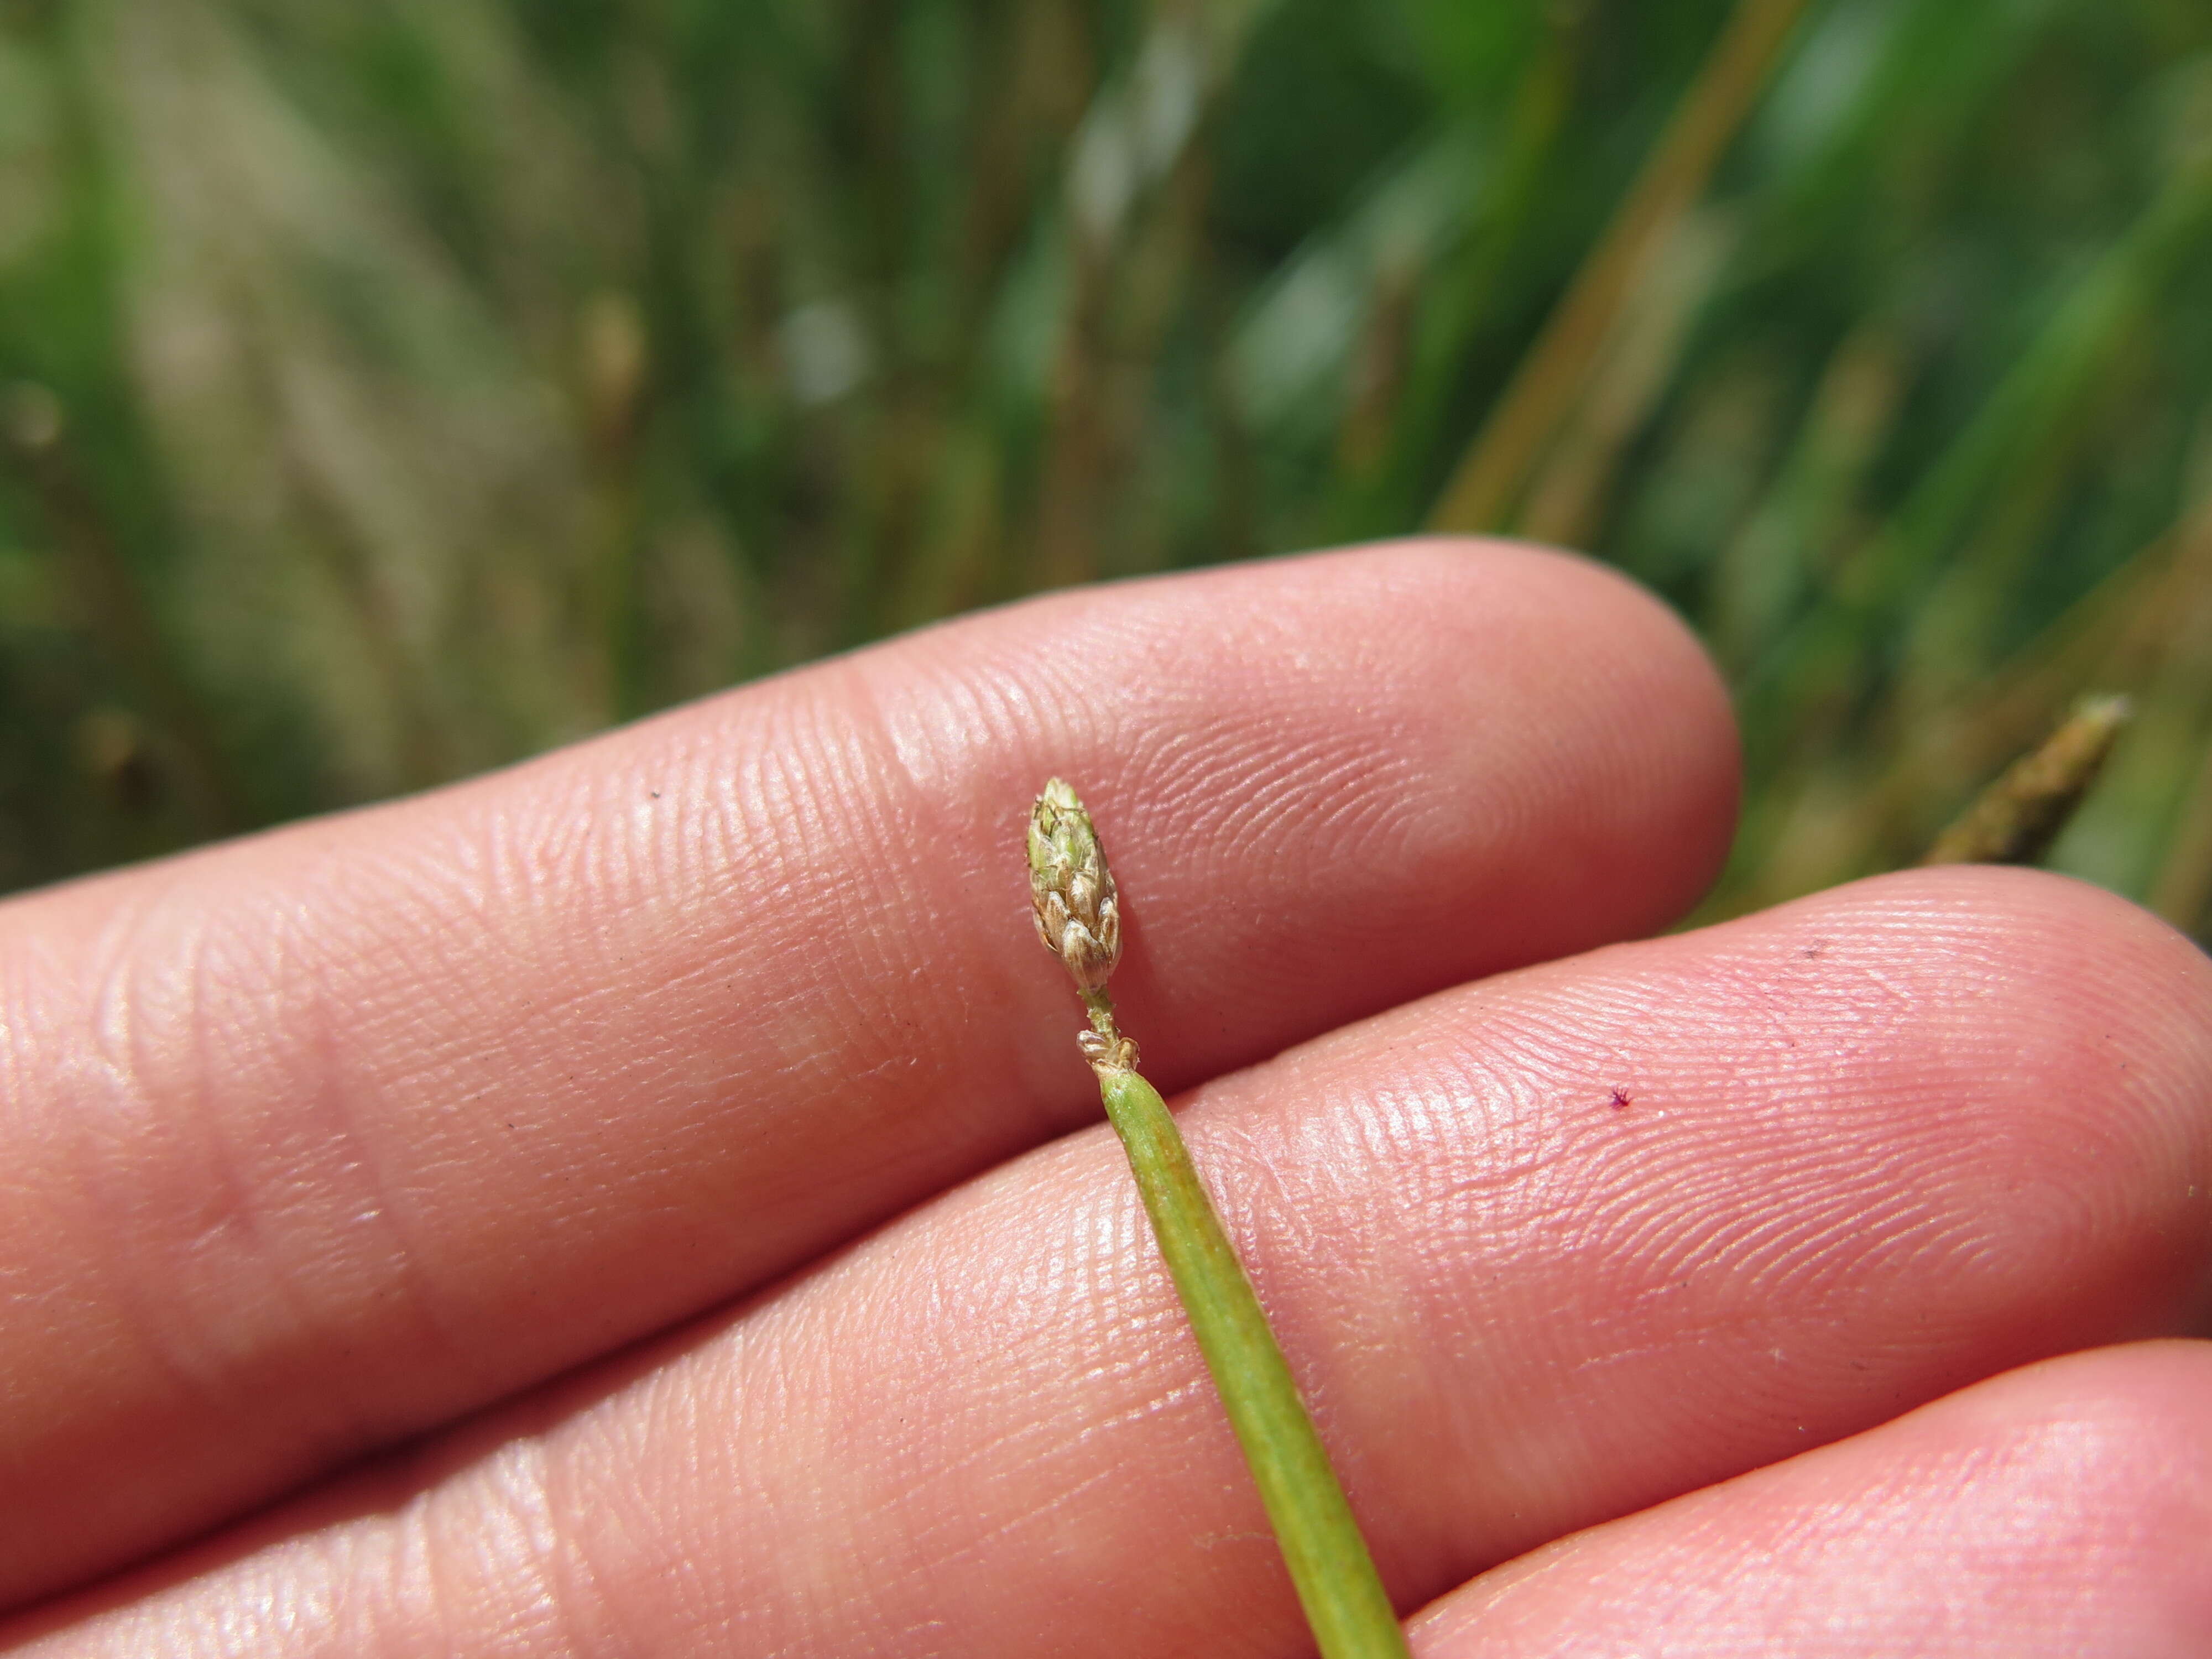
{"type": "Point", "coordinates": [1864, 1150]}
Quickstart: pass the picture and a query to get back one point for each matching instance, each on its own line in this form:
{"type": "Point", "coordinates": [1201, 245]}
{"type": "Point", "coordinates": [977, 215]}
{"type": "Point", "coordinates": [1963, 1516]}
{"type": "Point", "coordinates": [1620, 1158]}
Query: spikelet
{"type": "Point", "coordinates": [1078, 916]}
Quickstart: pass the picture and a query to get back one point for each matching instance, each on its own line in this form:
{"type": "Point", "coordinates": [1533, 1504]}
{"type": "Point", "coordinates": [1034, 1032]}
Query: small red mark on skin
{"type": "Point", "coordinates": [1620, 1098]}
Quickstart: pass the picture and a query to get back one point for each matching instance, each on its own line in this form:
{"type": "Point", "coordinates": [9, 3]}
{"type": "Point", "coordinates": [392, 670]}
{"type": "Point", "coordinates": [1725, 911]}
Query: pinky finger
{"type": "Point", "coordinates": [2059, 1510]}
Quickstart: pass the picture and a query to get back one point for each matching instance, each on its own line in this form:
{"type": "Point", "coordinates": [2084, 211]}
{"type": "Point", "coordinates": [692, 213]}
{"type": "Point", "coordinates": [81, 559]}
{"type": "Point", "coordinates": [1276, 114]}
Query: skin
{"type": "Point", "coordinates": [649, 1200]}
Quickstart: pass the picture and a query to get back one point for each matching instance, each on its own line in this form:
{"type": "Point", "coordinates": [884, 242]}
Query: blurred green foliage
{"type": "Point", "coordinates": [392, 388]}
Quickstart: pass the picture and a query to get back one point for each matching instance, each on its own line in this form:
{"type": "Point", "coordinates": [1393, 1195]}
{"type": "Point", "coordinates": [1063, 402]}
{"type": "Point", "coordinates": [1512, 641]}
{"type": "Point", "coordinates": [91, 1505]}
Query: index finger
{"type": "Point", "coordinates": [325, 1137]}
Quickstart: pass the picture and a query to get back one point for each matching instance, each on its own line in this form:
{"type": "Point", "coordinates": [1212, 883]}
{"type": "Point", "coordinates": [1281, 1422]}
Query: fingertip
{"type": "Point", "coordinates": [2052, 1511]}
{"type": "Point", "coordinates": [1388, 768]}
{"type": "Point", "coordinates": [2092, 1001]}
{"type": "Point", "coordinates": [1626, 694]}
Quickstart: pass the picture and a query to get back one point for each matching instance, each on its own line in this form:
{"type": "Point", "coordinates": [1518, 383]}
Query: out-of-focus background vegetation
{"type": "Point", "coordinates": [390, 388]}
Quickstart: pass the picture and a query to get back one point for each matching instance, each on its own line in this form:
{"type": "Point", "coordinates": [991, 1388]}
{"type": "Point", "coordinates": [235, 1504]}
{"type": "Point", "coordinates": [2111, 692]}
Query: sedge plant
{"type": "Point", "coordinates": [1079, 917]}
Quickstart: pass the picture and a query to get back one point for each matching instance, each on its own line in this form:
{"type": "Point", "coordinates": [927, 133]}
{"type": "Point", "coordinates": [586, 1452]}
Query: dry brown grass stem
{"type": "Point", "coordinates": [2016, 818]}
{"type": "Point", "coordinates": [1552, 377]}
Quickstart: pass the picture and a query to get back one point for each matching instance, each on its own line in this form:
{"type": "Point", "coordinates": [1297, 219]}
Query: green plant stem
{"type": "Point", "coordinates": [1337, 1585]}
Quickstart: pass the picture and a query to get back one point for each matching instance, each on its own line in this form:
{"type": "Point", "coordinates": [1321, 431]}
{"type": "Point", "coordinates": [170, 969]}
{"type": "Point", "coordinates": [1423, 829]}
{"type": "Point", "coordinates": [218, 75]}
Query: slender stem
{"type": "Point", "coordinates": [1079, 917]}
{"type": "Point", "coordinates": [1337, 1585]}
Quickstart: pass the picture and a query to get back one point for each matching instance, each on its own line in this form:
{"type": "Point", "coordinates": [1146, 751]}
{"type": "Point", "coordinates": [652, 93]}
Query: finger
{"type": "Point", "coordinates": [2058, 1512]}
{"type": "Point", "coordinates": [329, 1135]}
{"type": "Point", "coordinates": [1878, 1144]}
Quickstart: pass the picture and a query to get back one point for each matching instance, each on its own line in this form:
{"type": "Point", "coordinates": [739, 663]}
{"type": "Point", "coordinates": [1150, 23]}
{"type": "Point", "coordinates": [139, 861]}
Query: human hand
{"type": "Point", "coordinates": [677, 1146]}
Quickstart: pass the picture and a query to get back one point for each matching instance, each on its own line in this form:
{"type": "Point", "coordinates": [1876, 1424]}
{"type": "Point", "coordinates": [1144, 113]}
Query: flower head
{"type": "Point", "coordinates": [1078, 916]}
